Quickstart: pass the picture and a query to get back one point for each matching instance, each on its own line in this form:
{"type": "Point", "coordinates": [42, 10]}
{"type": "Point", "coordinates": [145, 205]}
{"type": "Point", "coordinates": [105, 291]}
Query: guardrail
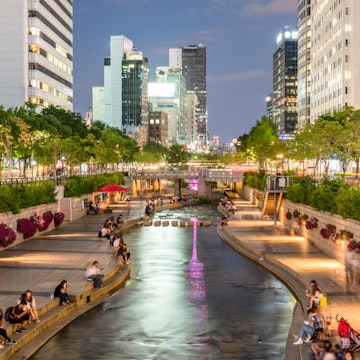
{"type": "Point", "coordinates": [278, 183]}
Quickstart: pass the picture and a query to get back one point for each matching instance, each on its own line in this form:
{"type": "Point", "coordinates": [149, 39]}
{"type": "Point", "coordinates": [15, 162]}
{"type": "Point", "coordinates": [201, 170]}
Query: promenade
{"type": "Point", "coordinates": [296, 261]}
{"type": "Point", "coordinates": [40, 264]}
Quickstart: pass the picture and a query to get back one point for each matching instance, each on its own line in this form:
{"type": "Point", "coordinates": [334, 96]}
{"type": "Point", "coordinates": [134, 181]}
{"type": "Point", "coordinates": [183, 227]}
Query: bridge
{"type": "Point", "coordinates": [151, 179]}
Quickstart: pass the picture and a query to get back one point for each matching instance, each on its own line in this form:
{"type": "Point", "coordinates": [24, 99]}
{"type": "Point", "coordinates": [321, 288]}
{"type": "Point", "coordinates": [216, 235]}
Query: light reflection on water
{"type": "Point", "coordinates": [189, 296]}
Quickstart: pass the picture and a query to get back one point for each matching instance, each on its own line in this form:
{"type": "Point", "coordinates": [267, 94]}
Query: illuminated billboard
{"type": "Point", "coordinates": [162, 90]}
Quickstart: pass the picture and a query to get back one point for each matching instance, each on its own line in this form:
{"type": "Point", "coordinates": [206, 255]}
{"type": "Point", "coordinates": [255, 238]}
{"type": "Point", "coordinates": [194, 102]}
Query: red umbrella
{"type": "Point", "coordinates": [112, 188]}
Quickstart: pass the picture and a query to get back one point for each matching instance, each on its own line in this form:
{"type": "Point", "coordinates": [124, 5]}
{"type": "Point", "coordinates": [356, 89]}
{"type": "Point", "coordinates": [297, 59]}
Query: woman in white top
{"type": "Point", "coordinates": [33, 309]}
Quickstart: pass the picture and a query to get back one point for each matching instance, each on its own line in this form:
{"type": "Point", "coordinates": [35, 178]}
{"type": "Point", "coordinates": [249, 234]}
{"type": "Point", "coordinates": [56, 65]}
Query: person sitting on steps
{"type": "Point", "coordinates": [61, 293]}
{"type": "Point", "coordinates": [314, 323]}
{"type": "Point", "coordinates": [18, 316]}
{"type": "Point", "coordinates": [93, 274]}
{"type": "Point", "coordinates": [315, 294]}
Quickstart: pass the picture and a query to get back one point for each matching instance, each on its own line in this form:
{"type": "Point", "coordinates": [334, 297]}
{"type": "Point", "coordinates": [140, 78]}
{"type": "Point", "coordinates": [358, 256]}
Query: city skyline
{"type": "Point", "coordinates": [240, 38]}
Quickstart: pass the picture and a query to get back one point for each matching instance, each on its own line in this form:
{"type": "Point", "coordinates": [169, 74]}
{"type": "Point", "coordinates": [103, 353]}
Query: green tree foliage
{"type": "Point", "coordinates": [79, 185]}
{"type": "Point", "coordinates": [256, 180]}
{"type": "Point", "coordinates": [262, 142]}
{"type": "Point", "coordinates": [177, 154]}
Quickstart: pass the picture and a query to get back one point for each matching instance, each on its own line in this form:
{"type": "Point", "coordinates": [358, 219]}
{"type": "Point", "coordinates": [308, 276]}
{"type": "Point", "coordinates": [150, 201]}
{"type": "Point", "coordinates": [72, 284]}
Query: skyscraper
{"type": "Point", "coordinates": [335, 56]}
{"type": "Point", "coordinates": [192, 60]}
{"type": "Point", "coordinates": [284, 95]}
{"type": "Point", "coordinates": [135, 99]}
{"type": "Point", "coordinates": [119, 46]}
{"type": "Point", "coordinates": [304, 62]}
{"type": "Point", "coordinates": [36, 41]}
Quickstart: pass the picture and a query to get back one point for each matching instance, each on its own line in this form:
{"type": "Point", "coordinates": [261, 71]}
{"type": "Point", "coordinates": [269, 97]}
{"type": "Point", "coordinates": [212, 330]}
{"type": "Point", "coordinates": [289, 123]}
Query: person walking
{"type": "Point", "coordinates": [356, 268]}
{"type": "Point", "coordinates": [348, 260]}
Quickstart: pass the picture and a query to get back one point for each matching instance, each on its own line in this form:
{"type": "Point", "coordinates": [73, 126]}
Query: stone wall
{"type": "Point", "coordinates": [326, 245]}
{"type": "Point", "coordinates": [329, 247]}
{"type": "Point", "coordinates": [73, 208]}
{"type": "Point", "coordinates": [11, 219]}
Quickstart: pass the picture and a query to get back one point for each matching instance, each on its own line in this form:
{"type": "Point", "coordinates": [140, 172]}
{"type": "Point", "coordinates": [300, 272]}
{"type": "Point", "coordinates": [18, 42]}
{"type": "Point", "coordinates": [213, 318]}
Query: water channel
{"type": "Point", "coordinates": [189, 297]}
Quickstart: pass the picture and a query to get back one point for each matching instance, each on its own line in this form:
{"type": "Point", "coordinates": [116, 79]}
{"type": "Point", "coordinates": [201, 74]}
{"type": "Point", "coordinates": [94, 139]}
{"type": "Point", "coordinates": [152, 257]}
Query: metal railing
{"type": "Point", "coordinates": [278, 183]}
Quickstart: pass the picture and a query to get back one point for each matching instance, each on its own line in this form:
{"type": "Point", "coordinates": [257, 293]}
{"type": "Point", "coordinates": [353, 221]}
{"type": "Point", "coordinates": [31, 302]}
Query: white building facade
{"type": "Point", "coordinates": [36, 41]}
{"type": "Point", "coordinates": [335, 56]}
{"type": "Point", "coordinates": [119, 46]}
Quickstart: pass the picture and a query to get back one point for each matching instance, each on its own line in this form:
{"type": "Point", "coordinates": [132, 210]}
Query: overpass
{"type": "Point", "coordinates": [143, 180]}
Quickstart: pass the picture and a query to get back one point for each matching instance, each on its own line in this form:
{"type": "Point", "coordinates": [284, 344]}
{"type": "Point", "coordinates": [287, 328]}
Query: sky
{"type": "Point", "coordinates": [239, 35]}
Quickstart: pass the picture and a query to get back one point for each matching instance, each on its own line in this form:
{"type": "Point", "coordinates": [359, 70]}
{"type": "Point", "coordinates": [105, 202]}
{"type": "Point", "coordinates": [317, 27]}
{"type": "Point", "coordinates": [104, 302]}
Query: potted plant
{"type": "Point", "coordinates": [288, 215]}
{"type": "Point", "coordinates": [7, 235]}
{"type": "Point", "coordinates": [58, 218]}
{"type": "Point", "coordinates": [311, 223]}
{"type": "Point", "coordinates": [328, 231]}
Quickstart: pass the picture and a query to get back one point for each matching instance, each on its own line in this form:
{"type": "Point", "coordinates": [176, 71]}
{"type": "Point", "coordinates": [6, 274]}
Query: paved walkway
{"type": "Point", "coordinates": [40, 264]}
{"type": "Point", "coordinates": [296, 261]}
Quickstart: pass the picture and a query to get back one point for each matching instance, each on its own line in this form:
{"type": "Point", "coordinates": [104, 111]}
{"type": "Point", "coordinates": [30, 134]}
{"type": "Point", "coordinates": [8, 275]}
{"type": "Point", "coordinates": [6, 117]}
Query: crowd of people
{"type": "Point", "coordinates": [112, 229]}
{"type": "Point", "coordinates": [313, 331]}
{"type": "Point", "coordinates": [228, 204]}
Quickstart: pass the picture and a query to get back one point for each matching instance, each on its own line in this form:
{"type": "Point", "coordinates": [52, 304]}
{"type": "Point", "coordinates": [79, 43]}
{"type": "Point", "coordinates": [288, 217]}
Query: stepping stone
{"type": "Point", "coordinates": [182, 223]}
{"type": "Point", "coordinates": [174, 223]}
{"type": "Point", "coordinates": [165, 223]}
{"type": "Point", "coordinates": [157, 223]}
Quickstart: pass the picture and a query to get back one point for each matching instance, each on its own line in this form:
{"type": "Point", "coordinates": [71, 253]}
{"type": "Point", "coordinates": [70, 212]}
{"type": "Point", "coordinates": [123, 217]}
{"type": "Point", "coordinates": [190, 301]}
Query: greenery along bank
{"type": "Point", "coordinates": [13, 198]}
{"type": "Point", "coordinates": [332, 195]}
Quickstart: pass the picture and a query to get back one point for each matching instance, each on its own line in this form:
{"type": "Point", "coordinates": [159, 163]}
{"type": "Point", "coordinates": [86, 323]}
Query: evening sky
{"type": "Point", "coordinates": [240, 37]}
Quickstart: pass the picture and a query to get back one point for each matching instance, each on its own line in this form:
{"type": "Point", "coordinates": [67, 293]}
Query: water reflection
{"type": "Point", "coordinates": [189, 297]}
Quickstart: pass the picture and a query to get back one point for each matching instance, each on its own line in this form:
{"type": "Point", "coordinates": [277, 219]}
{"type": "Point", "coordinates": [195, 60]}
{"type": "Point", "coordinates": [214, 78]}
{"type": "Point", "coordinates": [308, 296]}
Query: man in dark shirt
{"type": "Point", "coordinates": [18, 315]}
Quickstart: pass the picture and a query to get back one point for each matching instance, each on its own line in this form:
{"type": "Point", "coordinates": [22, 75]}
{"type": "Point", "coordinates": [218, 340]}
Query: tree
{"type": "Point", "coordinates": [262, 141]}
{"type": "Point", "coordinates": [177, 154]}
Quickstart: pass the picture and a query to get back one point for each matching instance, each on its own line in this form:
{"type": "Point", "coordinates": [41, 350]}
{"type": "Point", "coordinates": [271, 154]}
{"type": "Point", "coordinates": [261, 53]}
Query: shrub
{"type": "Point", "coordinates": [301, 190]}
{"type": "Point", "coordinates": [311, 223]}
{"type": "Point", "coordinates": [7, 235]}
{"type": "Point", "coordinates": [348, 203]}
{"type": "Point", "coordinates": [288, 215]}
{"type": "Point", "coordinates": [256, 180]}
{"type": "Point", "coordinates": [58, 218]}
{"type": "Point", "coordinates": [328, 231]}
{"type": "Point", "coordinates": [46, 220]}
{"type": "Point", "coordinates": [296, 213]}
{"type": "Point", "coordinates": [354, 245]}
{"type": "Point", "coordinates": [26, 227]}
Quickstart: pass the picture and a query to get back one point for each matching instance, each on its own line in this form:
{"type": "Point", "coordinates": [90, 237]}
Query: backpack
{"type": "Point", "coordinates": [9, 314]}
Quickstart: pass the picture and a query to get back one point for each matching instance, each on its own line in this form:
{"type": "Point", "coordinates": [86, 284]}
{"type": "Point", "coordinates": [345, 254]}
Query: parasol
{"type": "Point", "coordinates": [112, 188]}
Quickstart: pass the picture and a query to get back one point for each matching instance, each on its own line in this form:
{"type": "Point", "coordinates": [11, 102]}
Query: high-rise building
{"type": "Point", "coordinates": [158, 127]}
{"type": "Point", "coordinates": [304, 62]}
{"type": "Point", "coordinates": [135, 99]}
{"type": "Point", "coordinates": [192, 60]}
{"type": "Point", "coordinates": [335, 56]}
{"type": "Point", "coordinates": [98, 101]}
{"type": "Point", "coordinates": [36, 41]}
{"type": "Point", "coordinates": [284, 95]}
{"type": "Point", "coordinates": [119, 46]}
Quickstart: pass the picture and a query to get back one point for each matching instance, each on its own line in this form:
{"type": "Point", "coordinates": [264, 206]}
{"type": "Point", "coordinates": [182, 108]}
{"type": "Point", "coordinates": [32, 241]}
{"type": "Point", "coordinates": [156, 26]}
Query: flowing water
{"type": "Point", "coordinates": [189, 297]}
